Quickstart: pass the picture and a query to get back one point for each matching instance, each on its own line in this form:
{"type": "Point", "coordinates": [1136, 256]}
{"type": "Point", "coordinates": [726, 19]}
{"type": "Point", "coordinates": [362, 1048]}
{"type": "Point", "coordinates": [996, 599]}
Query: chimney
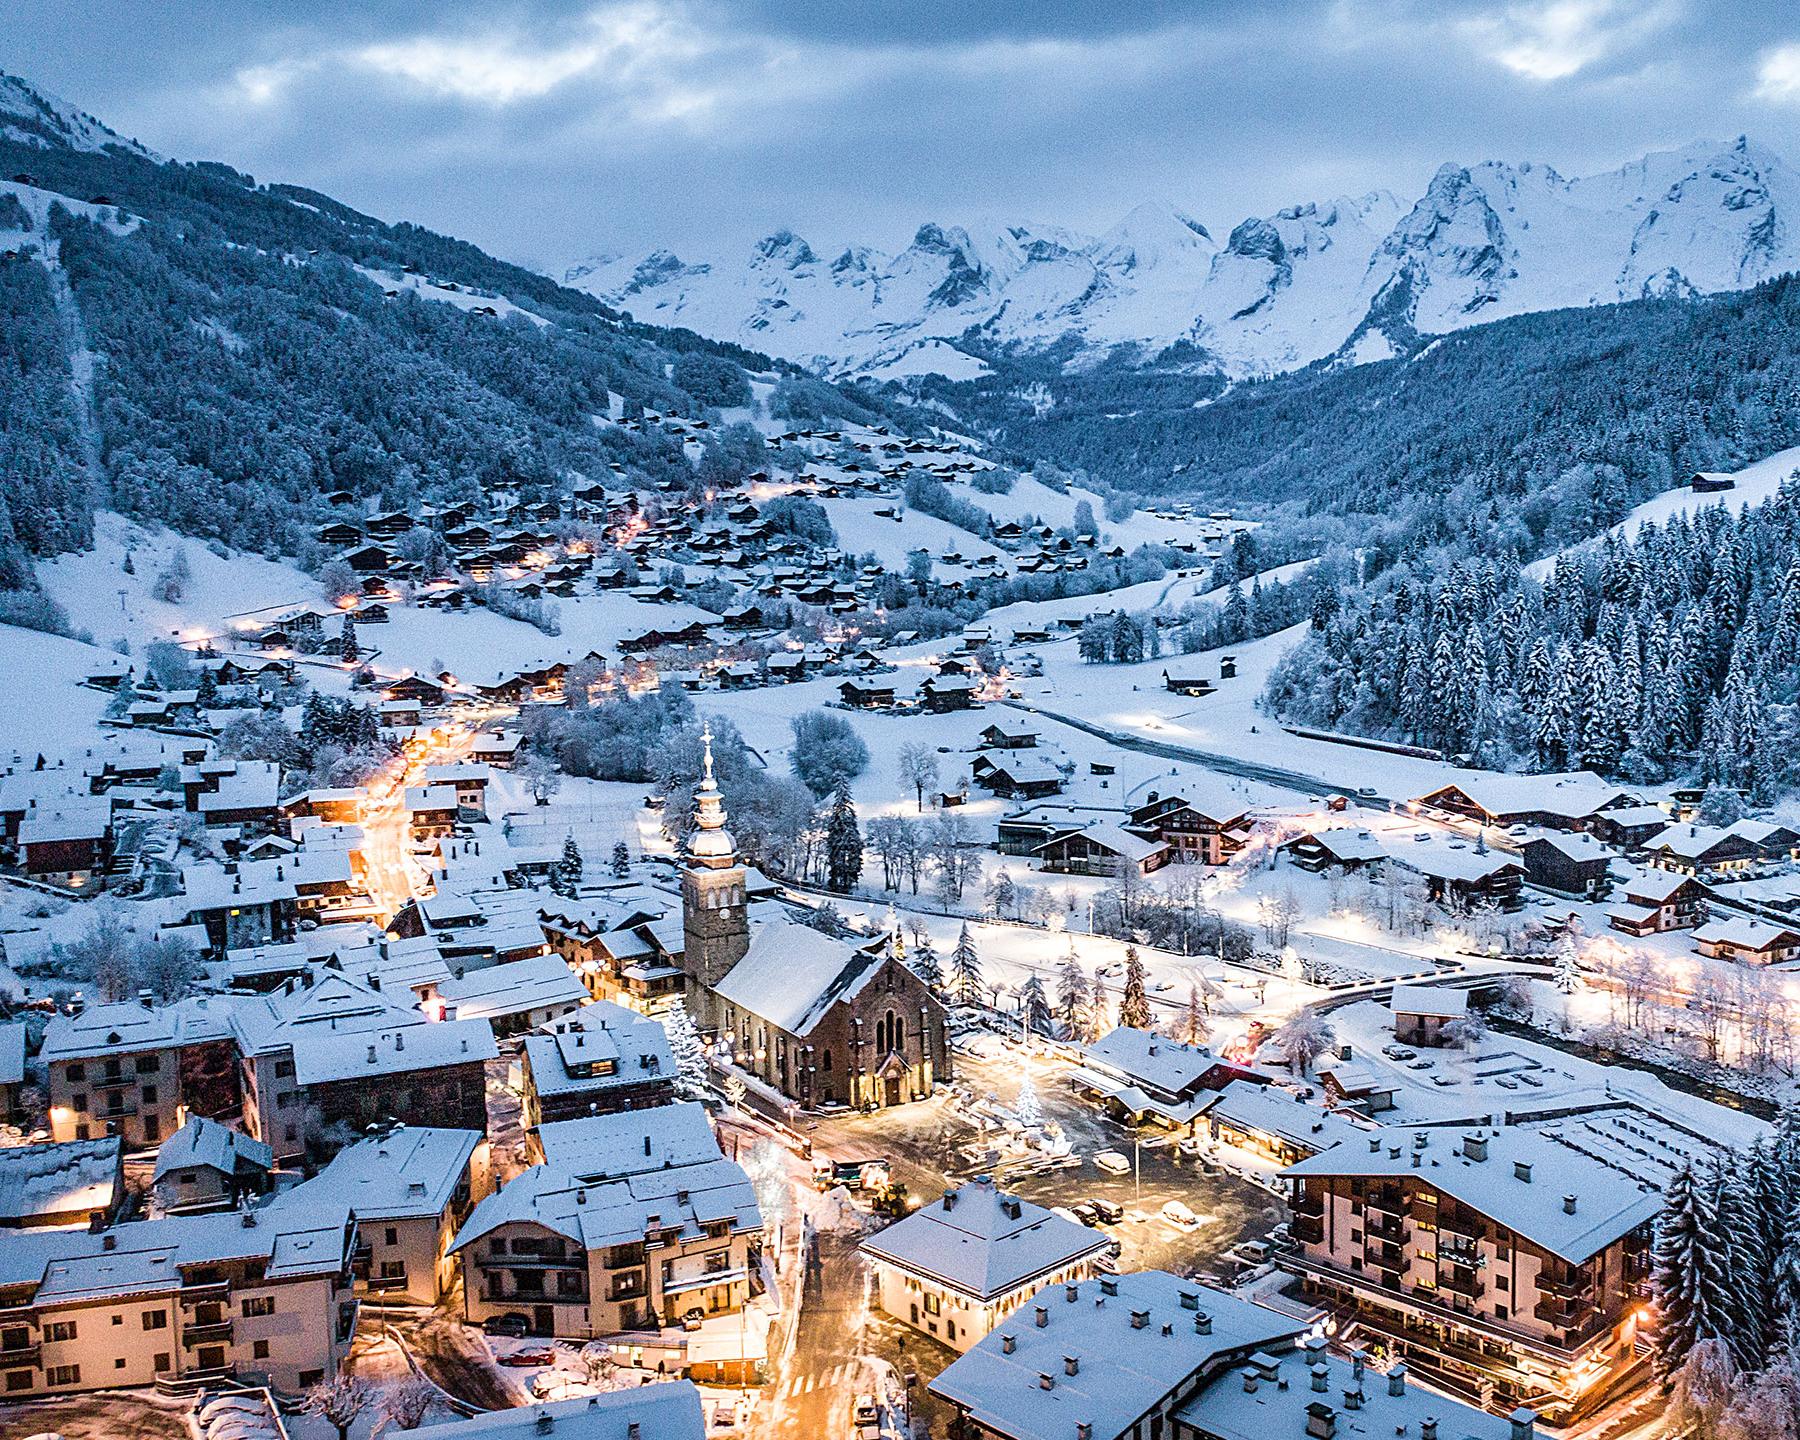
{"type": "Point", "coordinates": [1321, 1377]}
{"type": "Point", "coordinates": [1006, 1344]}
{"type": "Point", "coordinates": [1344, 1051]}
{"type": "Point", "coordinates": [1359, 1361]}
{"type": "Point", "coordinates": [1524, 1424]}
{"type": "Point", "coordinates": [1083, 1430]}
{"type": "Point", "coordinates": [1072, 1366]}
{"type": "Point", "coordinates": [1071, 1292]}
{"type": "Point", "coordinates": [634, 1429]}
{"type": "Point", "coordinates": [1428, 1428]}
{"type": "Point", "coordinates": [146, 998]}
{"type": "Point", "coordinates": [1139, 1319]}
{"type": "Point", "coordinates": [949, 1201]}
{"type": "Point", "coordinates": [1568, 1204]}
{"type": "Point", "coordinates": [1321, 1420]}
{"type": "Point", "coordinates": [1250, 1378]}
{"type": "Point", "coordinates": [1397, 1380]}
{"type": "Point", "coordinates": [1109, 1285]}
{"type": "Point", "coordinates": [399, 1041]}
{"type": "Point", "coordinates": [1374, 1144]}
{"type": "Point", "coordinates": [371, 1054]}
{"type": "Point", "coordinates": [1046, 1381]}
{"type": "Point", "coordinates": [546, 1422]}
{"type": "Point", "coordinates": [1202, 1323]}
{"type": "Point", "coordinates": [1522, 1171]}
{"type": "Point", "coordinates": [1353, 1399]}
{"type": "Point", "coordinates": [1043, 1317]}
{"type": "Point", "coordinates": [1189, 1300]}
{"type": "Point", "coordinates": [646, 1144]}
{"type": "Point", "coordinates": [1475, 1146]}
{"type": "Point", "coordinates": [109, 1241]}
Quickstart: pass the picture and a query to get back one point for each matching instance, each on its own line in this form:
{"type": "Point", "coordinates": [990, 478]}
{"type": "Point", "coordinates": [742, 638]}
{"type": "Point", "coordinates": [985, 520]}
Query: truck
{"type": "Point", "coordinates": [854, 1172]}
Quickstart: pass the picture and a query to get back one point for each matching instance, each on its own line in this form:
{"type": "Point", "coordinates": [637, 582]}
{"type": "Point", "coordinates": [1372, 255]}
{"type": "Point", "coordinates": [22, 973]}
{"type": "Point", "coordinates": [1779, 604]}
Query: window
{"type": "Point", "coordinates": [76, 1071]}
{"type": "Point", "coordinates": [933, 1304]}
{"type": "Point", "coordinates": [118, 1319]}
{"type": "Point", "coordinates": [60, 1330]}
{"type": "Point", "coordinates": [119, 1362]}
{"type": "Point", "coordinates": [149, 1094]}
{"type": "Point", "coordinates": [259, 1305]}
{"type": "Point", "coordinates": [162, 1361]}
{"type": "Point", "coordinates": [393, 1269]}
{"type": "Point", "coordinates": [80, 1104]}
{"type": "Point", "coordinates": [18, 1379]}
{"type": "Point", "coordinates": [63, 1375]}
{"type": "Point", "coordinates": [827, 1066]}
{"type": "Point", "coordinates": [393, 1236]}
{"type": "Point", "coordinates": [259, 1349]}
{"type": "Point", "coordinates": [284, 1069]}
{"type": "Point", "coordinates": [147, 1064]}
{"type": "Point", "coordinates": [156, 1319]}
{"type": "Point", "coordinates": [310, 1377]}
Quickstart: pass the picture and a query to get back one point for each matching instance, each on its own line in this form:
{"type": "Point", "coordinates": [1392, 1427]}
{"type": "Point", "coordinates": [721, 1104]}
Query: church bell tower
{"type": "Point", "coordinates": [716, 929]}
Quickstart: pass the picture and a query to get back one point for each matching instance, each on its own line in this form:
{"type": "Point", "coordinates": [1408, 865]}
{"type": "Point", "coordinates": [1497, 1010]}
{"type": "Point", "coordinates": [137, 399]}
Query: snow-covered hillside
{"type": "Point", "coordinates": [1349, 275]}
{"type": "Point", "coordinates": [35, 117]}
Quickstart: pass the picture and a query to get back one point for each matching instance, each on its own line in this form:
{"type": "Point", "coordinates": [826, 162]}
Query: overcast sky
{"type": "Point", "coordinates": [547, 131]}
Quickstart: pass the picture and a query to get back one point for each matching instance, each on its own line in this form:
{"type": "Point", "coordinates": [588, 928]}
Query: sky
{"type": "Point", "coordinates": [547, 131]}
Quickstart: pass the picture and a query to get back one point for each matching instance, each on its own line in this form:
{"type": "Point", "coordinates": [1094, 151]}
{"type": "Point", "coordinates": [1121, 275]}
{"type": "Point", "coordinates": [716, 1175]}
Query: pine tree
{"type": "Point", "coordinates": [1134, 1006]}
{"type": "Point", "coordinates": [1568, 966]}
{"type": "Point", "coordinates": [1687, 1274]}
{"type": "Point", "coordinates": [1071, 995]}
{"type": "Point", "coordinates": [206, 693]}
{"type": "Point", "coordinates": [621, 860]}
{"type": "Point", "coordinates": [843, 843]}
{"type": "Point", "coordinates": [926, 965]}
{"type": "Point", "coordinates": [565, 872]}
{"type": "Point", "coordinates": [1035, 1006]}
{"type": "Point", "coordinates": [348, 648]}
{"type": "Point", "coordinates": [1190, 1026]}
{"type": "Point", "coordinates": [690, 1053]}
{"type": "Point", "coordinates": [965, 969]}
{"type": "Point", "coordinates": [1026, 1109]}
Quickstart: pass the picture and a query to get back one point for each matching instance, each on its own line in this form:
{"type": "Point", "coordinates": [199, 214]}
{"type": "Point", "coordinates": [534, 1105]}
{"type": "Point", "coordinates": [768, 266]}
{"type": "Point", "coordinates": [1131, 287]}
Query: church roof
{"type": "Point", "coordinates": [792, 974]}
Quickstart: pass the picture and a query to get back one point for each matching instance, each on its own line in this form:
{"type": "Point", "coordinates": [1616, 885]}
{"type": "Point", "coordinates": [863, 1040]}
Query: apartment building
{"type": "Point", "coordinates": [1512, 1256]}
{"type": "Point", "coordinates": [133, 1069]}
{"type": "Point", "coordinates": [647, 1243]}
{"type": "Point", "coordinates": [600, 1058]}
{"type": "Point", "coordinates": [258, 1295]}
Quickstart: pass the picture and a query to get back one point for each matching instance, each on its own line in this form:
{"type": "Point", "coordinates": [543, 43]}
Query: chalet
{"type": "Point", "coordinates": [599, 1059]}
{"type": "Point", "coordinates": [208, 1166]}
{"type": "Point", "coordinates": [339, 534]}
{"type": "Point", "coordinates": [233, 792]}
{"type": "Point", "coordinates": [1701, 849]}
{"type": "Point", "coordinates": [390, 525]}
{"type": "Point", "coordinates": [240, 903]}
{"type": "Point", "coordinates": [1711, 482]}
{"type": "Point", "coordinates": [498, 747]}
{"type": "Point", "coordinates": [1183, 682]}
{"type": "Point", "coordinates": [1028, 777]}
{"type": "Point", "coordinates": [369, 559]}
{"type": "Point", "coordinates": [1022, 831]}
{"type": "Point", "coordinates": [1771, 841]}
{"type": "Point", "coordinates": [943, 693]}
{"type": "Point", "coordinates": [1657, 900]}
{"type": "Point", "coordinates": [469, 780]}
{"type": "Point", "coordinates": [398, 714]}
{"type": "Point", "coordinates": [1008, 735]}
{"type": "Point", "coordinates": [417, 689]}
{"type": "Point", "coordinates": [1205, 830]}
{"type": "Point", "coordinates": [1571, 864]}
{"type": "Point", "coordinates": [958, 1267]}
{"type": "Point", "coordinates": [1277, 1124]}
{"type": "Point", "coordinates": [1747, 941]}
{"type": "Point", "coordinates": [1143, 1077]}
{"type": "Point", "coordinates": [1461, 875]}
{"type": "Point", "coordinates": [432, 810]}
{"type": "Point", "coordinates": [1341, 849]}
{"type": "Point", "coordinates": [1572, 801]}
{"type": "Point", "coordinates": [865, 692]}
{"type": "Point", "coordinates": [1101, 848]}
{"type": "Point", "coordinates": [1630, 826]}
{"type": "Point", "coordinates": [333, 806]}
{"type": "Point", "coordinates": [743, 617]}
{"type": "Point", "coordinates": [66, 843]}
{"type": "Point", "coordinates": [1422, 1011]}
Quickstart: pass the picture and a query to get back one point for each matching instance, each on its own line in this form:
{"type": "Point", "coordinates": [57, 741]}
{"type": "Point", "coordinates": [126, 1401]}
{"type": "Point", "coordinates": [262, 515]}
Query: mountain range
{"type": "Point", "coordinates": [1353, 278]}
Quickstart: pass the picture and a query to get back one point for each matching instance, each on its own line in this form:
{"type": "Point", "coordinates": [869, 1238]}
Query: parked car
{"type": "Point", "coordinates": [1086, 1214]}
{"type": "Point", "coordinates": [522, 1359]}
{"type": "Point", "coordinates": [1113, 1162]}
{"type": "Point", "coordinates": [1254, 1252]}
{"type": "Point", "coordinates": [1109, 1211]}
{"type": "Point", "coordinates": [512, 1327]}
{"type": "Point", "coordinates": [1182, 1218]}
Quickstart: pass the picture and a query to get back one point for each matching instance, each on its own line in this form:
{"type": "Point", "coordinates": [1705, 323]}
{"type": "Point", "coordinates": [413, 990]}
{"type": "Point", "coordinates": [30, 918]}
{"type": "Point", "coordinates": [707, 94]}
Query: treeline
{"type": "Point", "coordinates": [248, 366]}
{"type": "Point", "coordinates": [1674, 652]}
{"type": "Point", "coordinates": [1513, 435]}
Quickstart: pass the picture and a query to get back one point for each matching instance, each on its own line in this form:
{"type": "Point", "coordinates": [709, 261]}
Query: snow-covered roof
{"type": "Point", "coordinates": [670, 1410]}
{"type": "Point", "coordinates": [125, 1027]}
{"type": "Point", "coordinates": [983, 1243]}
{"type": "Point", "coordinates": [206, 1143]}
{"type": "Point", "coordinates": [321, 1057]}
{"type": "Point", "coordinates": [598, 1047]}
{"type": "Point", "coordinates": [1692, 842]}
{"type": "Point", "coordinates": [497, 991]}
{"type": "Point", "coordinates": [792, 974]}
{"type": "Point", "coordinates": [1114, 838]}
{"type": "Point", "coordinates": [1151, 1059]}
{"type": "Point", "coordinates": [1655, 886]}
{"type": "Point", "coordinates": [410, 1173]}
{"type": "Point", "coordinates": [1435, 1000]}
{"type": "Point", "coordinates": [39, 1182]}
{"type": "Point", "coordinates": [1453, 860]}
{"type": "Point", "coordinates": [1525, 1182]}
{"type": "Point", "coordinates": [1347, 844]}
{"type": "Point", "coordinates": [607, 1146]}
{"type": "Point", "coordinates": [1271, 1110]}
{"type": "Point", "coordinates": [1285, 1398]}
{"type": "Point", "coordinates": [1743, 933]}
{"type": "Point", "coordinates": [1124, 1365]}
{"type": "Point", "coordinates": [1574, 845]}
{"type": "Point", "coordinates": [1574, 795]}
{"type": "Point", "coordinates": [70, 819]}
{"type": "Point", "coordinates": [12, 1053]}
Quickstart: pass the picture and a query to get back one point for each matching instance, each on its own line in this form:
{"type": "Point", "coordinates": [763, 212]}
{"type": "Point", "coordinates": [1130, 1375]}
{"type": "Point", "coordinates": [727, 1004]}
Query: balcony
{"type": "Point", "coordinates": [1562, 1313]}
{"type": "Point", "coordinates": [193, 1292]}
{"type": "Point", "coordinates": [1309, 1229]}
{"type": "Point", "coordinates": [1388, 1228]}
{"type": "Point", "coordinates": [1571, 1285]}
{"type": "Point", "coordinates": [1461, 1282]}
{"type": "Point", "coordinates": [211, 1333]}
{"type": "Point", "coordinates": [1390, 1202]}
{"type": "Point", "coordinates": [1309, 1202]}
{"type": "Point", "coordinates": [531, 1262]}
{"type": "Point", "coordinates": [1457, 1224]}
{"type": "Point", "coordinates": [112, 1082]}
{"type": "Point", "coordinates": [26, 1354]}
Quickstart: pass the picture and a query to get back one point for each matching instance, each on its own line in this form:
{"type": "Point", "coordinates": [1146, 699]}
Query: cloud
{"type": "Point", "coordinates": [1560, 38]}
{"type": "Point", "coordinates": [1778, 75]}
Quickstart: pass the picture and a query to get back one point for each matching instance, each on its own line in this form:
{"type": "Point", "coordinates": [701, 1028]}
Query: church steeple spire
{"type": "Point", "coordinates": [709, 843]}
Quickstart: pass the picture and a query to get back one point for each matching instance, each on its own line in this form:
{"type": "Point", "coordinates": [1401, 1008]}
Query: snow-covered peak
{"type": "Point", "coordinates": [1355, 276]}
{"type": "Point", "coordinates": [35, 117]}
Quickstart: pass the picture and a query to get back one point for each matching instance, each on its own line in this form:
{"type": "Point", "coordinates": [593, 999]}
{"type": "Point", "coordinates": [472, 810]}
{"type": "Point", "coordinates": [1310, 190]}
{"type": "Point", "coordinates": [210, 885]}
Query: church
{"type": "Point", "coordinates": [823, 1021]}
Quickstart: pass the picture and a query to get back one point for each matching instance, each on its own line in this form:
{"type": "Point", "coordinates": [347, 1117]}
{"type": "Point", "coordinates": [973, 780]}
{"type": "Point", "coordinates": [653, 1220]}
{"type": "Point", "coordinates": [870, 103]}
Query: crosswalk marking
{"type": "Point", "coordinates": [837, 1377]}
